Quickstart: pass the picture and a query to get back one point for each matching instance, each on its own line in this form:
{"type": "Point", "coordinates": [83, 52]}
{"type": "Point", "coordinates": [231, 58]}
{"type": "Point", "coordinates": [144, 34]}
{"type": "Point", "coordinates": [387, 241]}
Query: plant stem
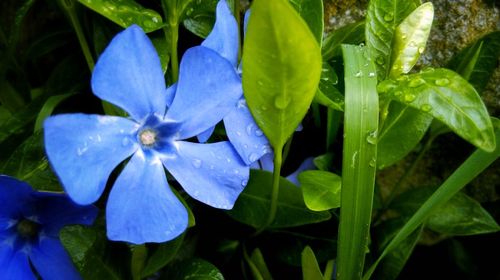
{"type": "Point", "coordinates": [69, 7]}
{"type": "Point", "coordinates": [275, 191]}
{"type": "Point", "coordinates": [174, 59]}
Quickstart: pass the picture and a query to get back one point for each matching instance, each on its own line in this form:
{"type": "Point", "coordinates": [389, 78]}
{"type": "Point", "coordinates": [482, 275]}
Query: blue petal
{"type": "Point", "coordinates": [51, 261]}
{"type": "Point", "coordinates": [171, 94]}
{"type": "Point", "coordinates": [211, 173]}
{"type": "Point", "coordinates": [14, 264]}
{"type": "Point", "coordinates": [141, 207]}
{"type": "Point", "coordinates": [266, 162]}
{"type": "Point", "coordinates": [14, 195]}
{"type": "Point", "coordinates": [205, 135]}
{"type": "Point", "coordinates": [129, 74]}
{"type": "Point", "coordinates": [208, 88]}
{"type": "Point", "coordinates": [57, 210]}
{"type": "Point", "coordinates": [307, 164]}
{"type": "Point", "coordinates": [224, 36]}
{"type": "Point", "coordinates": [84, 149]}
{"type": "Point", "coordinates": [246, 137]}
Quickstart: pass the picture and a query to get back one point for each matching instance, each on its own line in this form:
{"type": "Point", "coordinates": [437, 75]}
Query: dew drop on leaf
{"type": "Point", "coordinates": [416, 83]}
{"type": "Point", "coordinates": [388, 17]}
{"type": "Point", "coordinates": [426, 108]}
{"type": "Point", "coordinates": [281, 102]}
{"type": "Point", "coordinates": [442, 82]}
{"type": "Point", "coordinates": [409, 97]}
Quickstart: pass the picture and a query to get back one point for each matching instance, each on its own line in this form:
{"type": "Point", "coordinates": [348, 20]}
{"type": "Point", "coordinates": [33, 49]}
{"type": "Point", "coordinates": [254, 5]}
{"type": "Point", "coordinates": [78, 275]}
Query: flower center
{"type": "Point", "coordinates": [148, 137]}
{"type": "Point", "coordinates": [28, 229]}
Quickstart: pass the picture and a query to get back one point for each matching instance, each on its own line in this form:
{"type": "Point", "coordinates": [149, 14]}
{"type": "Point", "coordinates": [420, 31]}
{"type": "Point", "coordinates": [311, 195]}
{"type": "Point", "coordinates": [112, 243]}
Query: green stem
{"type": "Point", "coordinates": [174, 59]}
{"type": "Point", "coordinates": [275, 191]}
{"type": "Point", "coordinates": [69, 7]}
{"type": "Point", "coordinates": [408, 172]}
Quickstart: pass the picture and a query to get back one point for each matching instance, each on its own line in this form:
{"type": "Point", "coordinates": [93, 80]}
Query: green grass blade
{"type": "Point", "coordinates": [359, 160]}
{"type": "Point", "coordinates": [474, 165]}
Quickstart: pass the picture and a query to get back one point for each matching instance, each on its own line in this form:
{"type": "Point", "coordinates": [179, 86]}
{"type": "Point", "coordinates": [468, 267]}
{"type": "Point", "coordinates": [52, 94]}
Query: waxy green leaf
{"type": "Point", "coordinates": [126, 13]}
{"type": "Point", "coordinates": [449, 98]}
{"type": "Point", "coordinates": [327, 94]}
{"type": "Point", "coordinates": [321, 189]}
{"type": "Point", "coordinates": [200, 17]}
{"type": "Point", "coordinates": [403, 129]}
{"type": "Point", "coordinates": [196, 269]}
{"type": "Point", "coordinates": [477, 62]}
{"type": "Point", "coordinates": [162, 256]}
{"type": "Point", "coordinates": [382, 19]}
{"type": "Point", "coordinates": [410, 38]}
{"type": "Point", "coordinates": [252, 206]}
{"type": "Point", "coordinates": [282, 66]}
{"type": "Point", "coordinates": [312, 12]}
{"type": "Point", "coordinates": [260, 264]}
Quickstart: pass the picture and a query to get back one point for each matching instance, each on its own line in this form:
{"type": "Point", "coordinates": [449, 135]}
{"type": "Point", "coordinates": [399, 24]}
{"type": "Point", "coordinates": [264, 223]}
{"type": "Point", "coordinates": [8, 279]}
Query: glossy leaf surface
{"type": "Point", "coordinates": [126, 13]}
{"type": "Point", "coordinates": [312, 12]}
{"type": "Point", "coordinates": [321, 189]}
{"type": "Point", "coordinates": [282, 66]}
{"type": "Point", "coordinates": [310, 267]}
{"type": "Point", "coordinates": [449, 98]}
{"type": "Point", "coordinates": [382, 19]}
{"type": "Point", "coordinates": [410, 38]}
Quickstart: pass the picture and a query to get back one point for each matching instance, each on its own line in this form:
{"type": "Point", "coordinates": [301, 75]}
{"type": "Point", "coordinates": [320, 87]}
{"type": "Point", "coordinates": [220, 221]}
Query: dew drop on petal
{"type": "Point", "coordinates": [196, 163]}
{"type": "Point", "coordinates": [125, 141]}
{"type": "Point", "coordinates": [249, 129]}
{"type": "Point", "coordinates": [253, 157]}
{"type": "Point", "coordinates": [258, 132]}
{"type": "Point", "coordinates": [244, 182]}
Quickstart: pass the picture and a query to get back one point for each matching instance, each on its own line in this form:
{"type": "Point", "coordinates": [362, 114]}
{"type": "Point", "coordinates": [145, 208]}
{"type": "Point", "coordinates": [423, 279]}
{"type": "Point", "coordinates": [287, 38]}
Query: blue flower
{"type": "Point", "coordinates": [241, 129]}
{"type": "Point", "coordinates": [30, 222]}
{"type": "Point", "coordinates": [84, 149]}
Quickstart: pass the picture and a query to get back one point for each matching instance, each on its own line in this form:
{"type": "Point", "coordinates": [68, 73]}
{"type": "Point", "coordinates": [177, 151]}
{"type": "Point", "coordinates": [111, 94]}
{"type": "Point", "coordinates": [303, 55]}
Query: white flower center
{"type": "Point", "coordinates": [147, 137]}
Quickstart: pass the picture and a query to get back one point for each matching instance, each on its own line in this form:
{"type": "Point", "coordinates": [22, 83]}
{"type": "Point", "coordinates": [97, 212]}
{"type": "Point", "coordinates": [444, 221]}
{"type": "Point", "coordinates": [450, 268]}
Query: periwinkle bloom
{"type": "Point", "coordinates": [241, 129]}
{"type": "Point", "coordinates": [30, 222]}
{"type": "Point", "coordinates": [84, 149]}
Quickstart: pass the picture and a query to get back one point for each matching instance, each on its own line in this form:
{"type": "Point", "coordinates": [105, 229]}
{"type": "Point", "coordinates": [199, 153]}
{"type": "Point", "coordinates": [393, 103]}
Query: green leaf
{"type": "Point", "coordinates": [310, 267]}
{"type": "Point", "coordinates": [194, 269]}
{"type": "Point", "coordinates": [382, 19]}
{"type": "Point", "coordinates": [472, 167]}
{"type": "Point", "coordinates": [462, 215]}
{"type": "Point", "coordinates": [447, 97]}
{"type": "Point", "coordinates": [19, 120]}
{"type": "Point", "coordinates": [358, 161]}
{"type": "Point", "coordinates": [200, 17]}
{"type": "Point", "coordinates": [410, 38]}
{"type": "Point", "coordinates": [138, 260]}
{"type": "Point", "coordinates": [282, 62]}
{"type": "Point", "coordinates": [85, 246]}
{"type": "Point", "coordinates": [395, 261]}
{"type": "Point", "coordinates": [252, 206]}
{"type": "Point", "coordinates": [48, 108]}
{"type": "Point", "coordinates": [259, 262]}
{"type": "Point", "coordinates": [477, 61]}
{"type": "Point", "coordinates": [163, 255]}
{"type": "Point", "coordinates": [327, 94]}
{"type": "Point", "coordinates": [125, 13]}
{"type": "Point", "coordinates": [403, 129]}
{"type": "Point", "coordinates": [321, 189]}
{"type": "Point", "coordinates": [353, 33]}
{"type": "Point", "coordinates": [312, 13]}
{"type": "Point", "coordinates": [323, 162]}
{"type": "Point", "coordinates": [29, 163]}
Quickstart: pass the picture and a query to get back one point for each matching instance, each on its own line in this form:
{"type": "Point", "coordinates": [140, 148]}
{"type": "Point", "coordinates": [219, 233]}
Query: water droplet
{"type": "Point", "coordinates": [81, 151]}
{"type": "Point", "coordinates": [380, 60]}
{"type": "Point", "coordinates": [242, 103]}
{"type": "Point", "coordinates": [428, 70]}
{"type": "Point", "coordinates": [148, 23]}
{"type": "Point", "coordinates": [212, 167]}
{"type": "Point", "coordinates": [260, 83]}
{"type": "Point", "coordinates": [249, 129]}
{"type": "Point", "coordinates": [281, 102]}
{"type": "Point", "coordinates": [416, 82]}
{"type": "Point", "coordinates": [125, 141]}
{"type": "Point", "coordinates": [398, 93]}
{"type": "Point", "coordinates": [412, 44]}
{"type": "Point", "coordinates": [253, 157]}
{"type": "Point", "coordinates": [263, 108]}
{"type": "Point", "coordinates": [409, 97]}
{"type": "Point", "coordinates": [196, 163]}
{"type": "Point", "coordinates": [244, 182]}
{"type": "Point", "coordinates": [258, 132]}
{"type": "Point", "coordinates": [421, 50]}
{"type": "Point", "coordinates": [371, 74]}
{"type": "Point", "coordinates": [442, 82]}
{"type": "Point", "coordinates": [372, 163]}
{"type": "Point", "coordinates": [426, 108]}
{"type": "Point", "coordinates": [358, 74]}
{"type": "Point", "coordinates": [388, 17]}
{"type": "Point", "coordinates": [371, 138]}
{"type": "Point", "coordinates": [238, 133]}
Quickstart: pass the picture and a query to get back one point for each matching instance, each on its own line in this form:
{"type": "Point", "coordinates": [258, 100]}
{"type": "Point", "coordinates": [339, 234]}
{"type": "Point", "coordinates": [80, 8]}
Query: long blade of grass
{"type": "Point", "coordinates": [474, 165]}
{"type": "Point", "coordinates": [359, 160]}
